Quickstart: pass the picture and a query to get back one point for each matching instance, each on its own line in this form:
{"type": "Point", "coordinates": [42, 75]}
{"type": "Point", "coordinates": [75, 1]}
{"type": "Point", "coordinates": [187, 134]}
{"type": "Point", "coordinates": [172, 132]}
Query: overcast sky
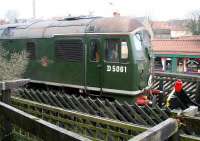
{"type": "Point", "coordinates": [156, 9]}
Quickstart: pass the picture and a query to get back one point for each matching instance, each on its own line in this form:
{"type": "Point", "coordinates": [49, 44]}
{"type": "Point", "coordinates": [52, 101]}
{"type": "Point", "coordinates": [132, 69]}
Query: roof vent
{"type": "Point", "coordinates": [70, 18]}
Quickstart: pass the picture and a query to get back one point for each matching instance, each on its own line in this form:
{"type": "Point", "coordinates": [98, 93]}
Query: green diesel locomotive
{"type": "Point", "coordinates": [106, 56]}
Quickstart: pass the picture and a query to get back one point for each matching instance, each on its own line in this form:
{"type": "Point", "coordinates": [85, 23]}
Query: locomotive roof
{"type": "Point", "coordinates": [49, 28]}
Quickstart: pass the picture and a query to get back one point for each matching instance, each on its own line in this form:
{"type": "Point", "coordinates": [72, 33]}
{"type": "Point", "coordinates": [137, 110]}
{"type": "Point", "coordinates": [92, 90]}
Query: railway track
{"type": "Point", "coordinates": [114, 110]}
{"type": "Point", "coordinates": [101, 119]}
{"type": "Point", "coordinates": [147, 116]}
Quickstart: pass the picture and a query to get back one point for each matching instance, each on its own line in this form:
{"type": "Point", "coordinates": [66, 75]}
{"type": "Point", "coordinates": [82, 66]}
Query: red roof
{"type": "Point", "coordinates": [2, 22]}
{"type": "Point", "coordinates": [178, 28]}
{"type": "Point", "coordinates": [193, 37]}
{"type": "Point", "coordinates": [167, 25]}
{"type": "Point", "coordinates": [160, 25]}
{"type": "Point", "coordinates": [181, 47]}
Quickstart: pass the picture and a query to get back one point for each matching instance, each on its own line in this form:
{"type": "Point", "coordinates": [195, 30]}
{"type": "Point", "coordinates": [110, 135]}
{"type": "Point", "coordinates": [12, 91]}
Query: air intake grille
{"type": "Point", "coordinates": [69, 50]}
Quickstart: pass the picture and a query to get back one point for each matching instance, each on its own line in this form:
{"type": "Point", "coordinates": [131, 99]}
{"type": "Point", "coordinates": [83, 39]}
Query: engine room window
{"type": "Point", "coordinates": [94, 50]}
{"type": "Point", "coordinates": [112, 50]}
{"type": "Point", "coordinates": [124, 50]}
{"type": "Point", "coordinates": [30, 48]}
{"type": "Point", "coordinates": [69, 50]}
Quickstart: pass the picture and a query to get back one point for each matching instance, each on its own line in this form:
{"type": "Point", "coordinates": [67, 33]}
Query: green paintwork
{"type": "Point", "coordinates": [85, 74]}
{"type": "Point", "coordinates": [120, 81]}
{"type": "Point", "coordinates": [56, 71]}
{"type": "Point", "coordinates": [94, 69]}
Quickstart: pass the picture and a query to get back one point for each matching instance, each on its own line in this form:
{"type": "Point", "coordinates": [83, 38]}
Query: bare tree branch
{"type": "Point", "coordinates": [12, 67]}
{"type": "Point", "coordinates": [194, 22]}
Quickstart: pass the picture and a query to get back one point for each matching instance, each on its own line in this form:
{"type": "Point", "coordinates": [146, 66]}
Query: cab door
{"type": "Point", "coordinates": [94, 64]}
{"type": "Point", "coordinates": [117, 68]}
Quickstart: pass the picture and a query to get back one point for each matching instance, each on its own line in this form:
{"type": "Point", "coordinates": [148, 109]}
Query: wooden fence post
{"type": "Point", "coordinates": [7, 126]}
{"type": "Point", "coordinates": [160, 96]}
{"type": "Point", "coordinates": [175, 137]}
{"type": "Point", "coordinates": [6, 87]}
{"type": "Point", "coordinates": [197, 97]}
{"type": "Point", "coordinates": [6, 95]}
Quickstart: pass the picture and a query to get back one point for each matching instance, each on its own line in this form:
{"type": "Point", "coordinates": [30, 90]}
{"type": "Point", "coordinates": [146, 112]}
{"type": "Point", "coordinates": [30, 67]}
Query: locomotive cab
{"type": "Point", "coordinates": [127, 63]}
{"type": "Point", "coordinates": [123, 64]}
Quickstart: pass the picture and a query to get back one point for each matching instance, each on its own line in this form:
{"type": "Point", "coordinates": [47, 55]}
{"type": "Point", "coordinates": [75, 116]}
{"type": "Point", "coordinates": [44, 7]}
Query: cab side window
{"type": "Point", "coordinates": [112, 50]}
{"type": "Point", "coordinates": [94, 50]}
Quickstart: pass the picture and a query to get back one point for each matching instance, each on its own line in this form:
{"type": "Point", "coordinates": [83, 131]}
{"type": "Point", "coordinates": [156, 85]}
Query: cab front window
{"type": "Point", "coordinates": [137, 39]}
{"type": "Point", "coordinates": [1, 31]}
{"type": "Point", "coordinates": [146, 40]}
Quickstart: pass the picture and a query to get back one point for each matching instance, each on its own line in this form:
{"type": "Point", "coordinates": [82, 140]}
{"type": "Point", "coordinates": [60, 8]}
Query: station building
{"type": "Point", "coordinates": [177, 55]}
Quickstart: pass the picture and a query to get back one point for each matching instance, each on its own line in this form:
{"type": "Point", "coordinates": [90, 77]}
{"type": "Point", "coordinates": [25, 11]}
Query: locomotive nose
{"type": "Point", "coordinates": [144, 75]}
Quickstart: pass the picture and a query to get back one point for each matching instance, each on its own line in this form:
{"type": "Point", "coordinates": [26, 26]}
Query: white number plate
{"type": "Point", "coordinates": [113, 68]}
